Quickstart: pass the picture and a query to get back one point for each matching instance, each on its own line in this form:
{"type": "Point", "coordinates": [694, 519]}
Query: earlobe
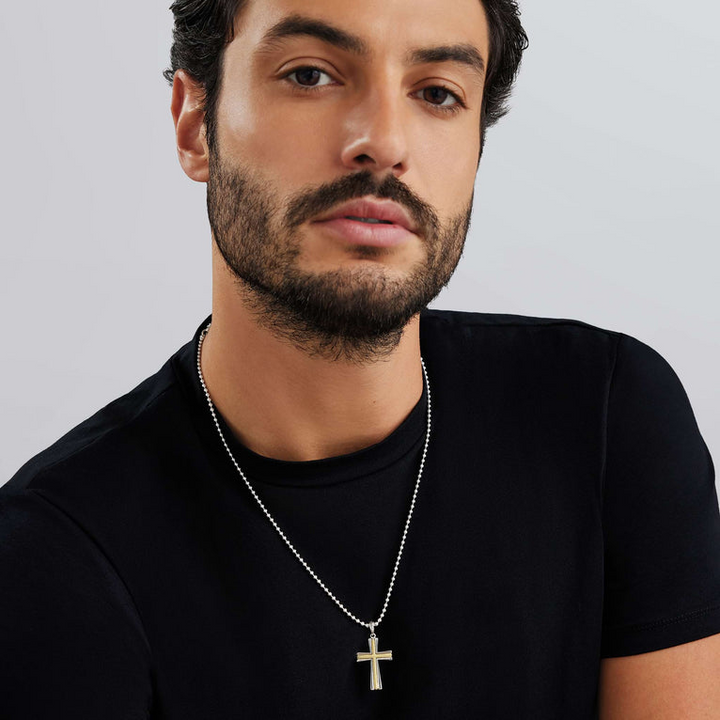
{"type": "Point", "coordinates": [189, 118]}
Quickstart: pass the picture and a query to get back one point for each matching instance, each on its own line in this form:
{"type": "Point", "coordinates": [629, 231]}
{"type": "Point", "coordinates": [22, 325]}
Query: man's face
{"type": "Point", "coordinates": [388, 109]}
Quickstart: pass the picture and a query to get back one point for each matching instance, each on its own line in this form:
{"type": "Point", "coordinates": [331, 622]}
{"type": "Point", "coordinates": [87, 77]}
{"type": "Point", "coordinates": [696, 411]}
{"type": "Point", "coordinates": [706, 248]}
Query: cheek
{"type": "Point", "coordinates": [279, 143]}
{"type": "Point", "coordinates": [448, 166]}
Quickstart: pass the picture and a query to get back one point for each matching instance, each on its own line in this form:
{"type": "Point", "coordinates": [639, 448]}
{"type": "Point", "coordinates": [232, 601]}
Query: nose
{"type": "Point", "coordinates": [375, 133]}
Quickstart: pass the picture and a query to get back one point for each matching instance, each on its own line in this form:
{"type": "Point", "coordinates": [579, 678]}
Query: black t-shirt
{"type": "Point", "coordinates": [567, 512]}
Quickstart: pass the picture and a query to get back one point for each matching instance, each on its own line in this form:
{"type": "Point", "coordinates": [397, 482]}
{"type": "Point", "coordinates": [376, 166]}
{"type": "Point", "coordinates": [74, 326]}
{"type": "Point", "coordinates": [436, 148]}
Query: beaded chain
{"type": "Point", "coordinates": [370, 625]}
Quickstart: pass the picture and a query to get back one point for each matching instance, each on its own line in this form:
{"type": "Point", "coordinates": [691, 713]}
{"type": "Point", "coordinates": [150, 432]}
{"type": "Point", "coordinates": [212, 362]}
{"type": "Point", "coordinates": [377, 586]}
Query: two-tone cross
{"type": "Point", "coordinates": [373, 656]}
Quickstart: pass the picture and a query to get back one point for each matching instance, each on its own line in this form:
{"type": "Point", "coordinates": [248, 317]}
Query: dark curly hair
{"type": "Point", "coordinates": [204, 27]}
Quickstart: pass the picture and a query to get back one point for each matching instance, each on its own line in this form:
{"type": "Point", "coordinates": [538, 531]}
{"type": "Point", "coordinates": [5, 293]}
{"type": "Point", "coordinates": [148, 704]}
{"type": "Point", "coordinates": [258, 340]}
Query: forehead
{"type": "Point", "coordinates": [371, 29]}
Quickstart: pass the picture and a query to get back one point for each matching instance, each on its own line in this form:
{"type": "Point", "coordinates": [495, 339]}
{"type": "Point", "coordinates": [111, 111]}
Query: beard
{"type": "Point", "coordinates": [353, 314]}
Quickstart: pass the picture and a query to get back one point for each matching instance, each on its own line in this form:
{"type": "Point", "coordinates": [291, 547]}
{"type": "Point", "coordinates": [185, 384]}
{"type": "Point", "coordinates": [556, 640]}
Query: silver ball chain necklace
{"type": "Point", "coordinates": [374, 655]}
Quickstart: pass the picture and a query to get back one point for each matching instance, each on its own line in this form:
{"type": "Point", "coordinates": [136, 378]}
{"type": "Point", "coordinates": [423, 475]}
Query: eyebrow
{"type": "Point", "coordinates": [463, 54]}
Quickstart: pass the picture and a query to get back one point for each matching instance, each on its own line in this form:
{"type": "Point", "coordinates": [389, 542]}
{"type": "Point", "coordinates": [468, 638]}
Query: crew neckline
{"type": "Point", "coordinates": [406, 438]}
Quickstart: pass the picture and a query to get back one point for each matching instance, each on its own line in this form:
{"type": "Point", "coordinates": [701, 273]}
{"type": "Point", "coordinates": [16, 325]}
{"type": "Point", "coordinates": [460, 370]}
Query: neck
{"type": "Point", "coordinates": [283, 403]}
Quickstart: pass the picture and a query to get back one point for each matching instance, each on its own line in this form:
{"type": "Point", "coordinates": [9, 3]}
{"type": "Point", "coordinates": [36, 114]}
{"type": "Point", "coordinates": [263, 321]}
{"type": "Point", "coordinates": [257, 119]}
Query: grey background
{"type": "Point", "coordinates": [596, 200]}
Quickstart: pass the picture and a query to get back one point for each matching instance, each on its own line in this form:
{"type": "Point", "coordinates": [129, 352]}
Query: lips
{"type": "Point", "coordinates": [386, 211]}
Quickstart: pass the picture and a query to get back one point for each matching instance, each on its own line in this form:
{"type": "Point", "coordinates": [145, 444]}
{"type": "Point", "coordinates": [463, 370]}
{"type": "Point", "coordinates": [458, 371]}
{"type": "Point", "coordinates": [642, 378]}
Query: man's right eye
{"type": "Point", "coordinates": [305, 75]}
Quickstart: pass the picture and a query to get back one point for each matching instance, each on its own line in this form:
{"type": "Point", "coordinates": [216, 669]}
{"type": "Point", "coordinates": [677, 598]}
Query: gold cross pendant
{"type": "Point", "coordinates": [373, 656]}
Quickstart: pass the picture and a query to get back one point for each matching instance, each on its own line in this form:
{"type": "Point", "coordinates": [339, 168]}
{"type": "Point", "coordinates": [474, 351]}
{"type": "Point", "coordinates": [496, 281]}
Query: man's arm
{"type": "Point", "coordinates": [71, 642]}
{"type": "Point", "coordinates": [681, 682]}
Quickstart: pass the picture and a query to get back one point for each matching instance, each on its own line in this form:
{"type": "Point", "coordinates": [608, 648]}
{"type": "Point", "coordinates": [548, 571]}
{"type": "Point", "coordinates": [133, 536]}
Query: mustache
{"type": "Point", "coordinates": [310, 203]}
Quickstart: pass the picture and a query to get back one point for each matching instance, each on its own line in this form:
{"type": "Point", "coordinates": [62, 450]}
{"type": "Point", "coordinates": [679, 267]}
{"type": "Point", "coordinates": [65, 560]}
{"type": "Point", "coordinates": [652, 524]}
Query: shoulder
{"type": "Point", "coordinates": [462, 331]}
{"type": "Point", "coordinates": [518, 342]}
{"type": "Point", "coordinates": [457, 326]}
{"type": "Point", "coordinates": [564, 355]}
{"type": "Point", "coordinates": [117, 475]}
{"type": "Point", "coordinates": [111, 438]}
{"type": "Point", "coordinates": [69, 516]}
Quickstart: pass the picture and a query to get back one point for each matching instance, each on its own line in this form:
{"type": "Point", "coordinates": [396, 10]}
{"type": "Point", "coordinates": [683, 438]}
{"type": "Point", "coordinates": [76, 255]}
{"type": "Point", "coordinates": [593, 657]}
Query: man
{"type": "Point", "coordinates": [333, 503]}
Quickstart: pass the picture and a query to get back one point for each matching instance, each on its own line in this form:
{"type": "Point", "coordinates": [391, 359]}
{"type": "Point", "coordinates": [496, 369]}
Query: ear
{"type": "Point", "coordinates": [189, 118]}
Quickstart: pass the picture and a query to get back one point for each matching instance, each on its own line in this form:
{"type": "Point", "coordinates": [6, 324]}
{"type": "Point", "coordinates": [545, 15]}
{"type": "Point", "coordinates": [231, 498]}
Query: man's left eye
{"type": "Point", "coordinates": [438, 92]}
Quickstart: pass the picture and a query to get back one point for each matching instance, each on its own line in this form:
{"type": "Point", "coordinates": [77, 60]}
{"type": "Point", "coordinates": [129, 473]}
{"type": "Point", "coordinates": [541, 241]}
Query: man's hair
{"type": "Point", "coordinates": [203, 28]}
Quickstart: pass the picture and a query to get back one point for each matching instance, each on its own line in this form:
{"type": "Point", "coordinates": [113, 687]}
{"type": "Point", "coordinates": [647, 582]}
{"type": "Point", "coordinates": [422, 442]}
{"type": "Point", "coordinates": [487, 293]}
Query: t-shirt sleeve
{"type": "Point", "coordinates": [71, 642]}
{"type": "Point", "coordinates": [661, 521]}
